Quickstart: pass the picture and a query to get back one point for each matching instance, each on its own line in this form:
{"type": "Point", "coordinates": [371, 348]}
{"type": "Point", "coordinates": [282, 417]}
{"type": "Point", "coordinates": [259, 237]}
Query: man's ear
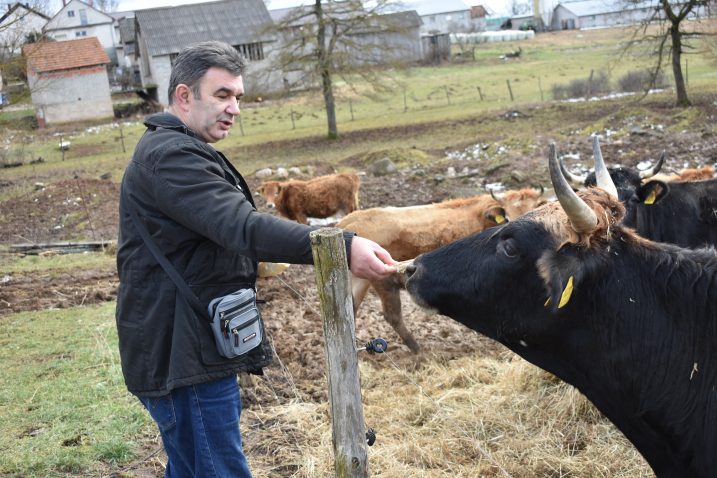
{"type": "Point", "coordinates": [182, 94]}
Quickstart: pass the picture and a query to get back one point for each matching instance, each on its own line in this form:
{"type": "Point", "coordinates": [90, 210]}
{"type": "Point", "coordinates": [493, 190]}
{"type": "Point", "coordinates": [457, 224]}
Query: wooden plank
{"type": "Point", "coordinates": [61, 247]}
{"type": "Point", "coordinates": [347, 420]}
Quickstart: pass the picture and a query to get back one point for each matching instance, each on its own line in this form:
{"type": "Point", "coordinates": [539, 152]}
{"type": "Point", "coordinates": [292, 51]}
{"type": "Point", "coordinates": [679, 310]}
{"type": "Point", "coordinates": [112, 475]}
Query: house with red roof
{"type": "Point", "coordinates": [68, 80]}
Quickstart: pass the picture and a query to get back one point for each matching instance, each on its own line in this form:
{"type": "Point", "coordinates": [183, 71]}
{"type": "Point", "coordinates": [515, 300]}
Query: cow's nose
{"type": "Point", "coordinates": [270, 206]}
{"type": "Point", "coordinates": [410, 269]}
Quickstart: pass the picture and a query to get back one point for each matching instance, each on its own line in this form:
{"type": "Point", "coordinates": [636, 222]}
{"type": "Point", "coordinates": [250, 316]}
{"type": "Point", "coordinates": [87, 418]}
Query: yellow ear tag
{"type": "Point", "coordinates": [566, 293]}
{"type": "Point", "coordinates": [651, 197]}
{"type": "Point", "coordinates": [500, 219]}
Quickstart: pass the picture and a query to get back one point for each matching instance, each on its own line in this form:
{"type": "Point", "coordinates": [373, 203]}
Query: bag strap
{"type": "Point", "coordinates": [164, 262]}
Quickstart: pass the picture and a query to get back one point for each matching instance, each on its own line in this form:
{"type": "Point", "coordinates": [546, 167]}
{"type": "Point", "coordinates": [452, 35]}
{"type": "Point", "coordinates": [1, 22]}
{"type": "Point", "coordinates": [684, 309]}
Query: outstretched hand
{"type": "Point", "coordinates": [370, 261]}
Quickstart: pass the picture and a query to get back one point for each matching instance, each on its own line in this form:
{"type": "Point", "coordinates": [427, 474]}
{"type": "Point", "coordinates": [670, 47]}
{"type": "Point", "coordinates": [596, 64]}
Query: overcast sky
{"type": "Point", "coordinates": [499, 7]}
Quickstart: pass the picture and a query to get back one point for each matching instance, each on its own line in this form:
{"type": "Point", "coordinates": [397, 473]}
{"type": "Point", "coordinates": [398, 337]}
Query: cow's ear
{"type": "Point", "coordinates": [652, 192]}
{"type": "Point", "coordinates": [562, 275]}
{"type": "Point", "coordinates": [497, 215]}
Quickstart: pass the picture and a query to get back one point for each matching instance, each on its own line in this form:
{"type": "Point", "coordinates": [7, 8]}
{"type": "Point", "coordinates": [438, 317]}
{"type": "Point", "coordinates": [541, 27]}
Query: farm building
{"type": "Point", "coordinates": [374, 39]}
{"type": "Point", "coordinates": [128, 68]}
{"type": "Point", "coordinates": [446, 16]}
{"type": "Point", "coordinates": [599, 13]}
{"type": "Point", "coordinates": [162, 32]}
{"type": "Point", "coordinates": [19, 21]}
{"type": "Point", "coordinates": [68, 80]}
{"type": "Point", "coordinates": [77, 19]}
{"type": "Point", "coordinates": [388, 38]}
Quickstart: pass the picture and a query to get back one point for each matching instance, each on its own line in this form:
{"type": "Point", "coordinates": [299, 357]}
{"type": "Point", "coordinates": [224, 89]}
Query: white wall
{"type": "Point", "coordinates": [77, 20]}
{"type": "Point", "coordinates": [60, 99]}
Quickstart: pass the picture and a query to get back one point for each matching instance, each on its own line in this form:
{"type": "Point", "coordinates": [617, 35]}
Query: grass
{"type": "Point", "coordinates": [418, 96]}
{"type": "Point", "coordinates": [62, 262]}
{"type": "Point", "coordinates": [65, 409]}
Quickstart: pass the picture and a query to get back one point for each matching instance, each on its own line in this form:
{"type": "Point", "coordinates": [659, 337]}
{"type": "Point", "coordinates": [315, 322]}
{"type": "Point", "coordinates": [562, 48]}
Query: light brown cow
{"type": "Point", "coordinates": [689, 174]}
{"type": "Point", "coordinates": [319, 197]}
{"type": "Point", "coordinates": [407, 232]}
{"type": "Point", "coordinates": [519, 201]}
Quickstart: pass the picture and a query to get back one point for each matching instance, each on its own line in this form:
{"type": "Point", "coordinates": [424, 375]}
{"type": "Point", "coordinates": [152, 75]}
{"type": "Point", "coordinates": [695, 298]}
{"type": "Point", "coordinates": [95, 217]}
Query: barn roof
{"type": "Point", "coordinates": [436, 7]}
{"type": "Point", "coordinates": [584, 8]}
{"type": "Point", "coordinates": [65, 55]}
{"type": "Point", "coordinates": [167, 30]}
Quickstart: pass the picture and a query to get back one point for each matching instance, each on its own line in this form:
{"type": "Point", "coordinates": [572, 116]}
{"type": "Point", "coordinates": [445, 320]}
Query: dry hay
{"type": "Point", "coordinates": [435, 417]}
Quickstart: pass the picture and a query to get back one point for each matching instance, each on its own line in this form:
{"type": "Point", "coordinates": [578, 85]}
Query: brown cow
{"type": "Point", "coordinates": [406, 232]}
{"type": "Point", "coordinates": [319, 197]}
{"type": "Point", "coordinates": [518, 202]}
{"type": "Point", "coordinates": [689, 174]}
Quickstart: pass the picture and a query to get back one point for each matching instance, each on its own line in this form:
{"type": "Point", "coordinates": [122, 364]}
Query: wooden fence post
{"type": "Point", "coordinates": [347, 420]}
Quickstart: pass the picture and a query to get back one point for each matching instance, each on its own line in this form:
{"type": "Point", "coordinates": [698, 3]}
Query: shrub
{"type": "Point", "coordinates": [582, 88]}
{"type": "Point", "coordinates": [640, 81]}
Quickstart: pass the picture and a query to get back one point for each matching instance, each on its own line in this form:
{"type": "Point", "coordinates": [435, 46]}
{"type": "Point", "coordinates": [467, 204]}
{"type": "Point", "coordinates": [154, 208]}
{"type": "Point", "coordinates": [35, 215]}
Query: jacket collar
{"type": "Point", "coordinates": [168, 121]}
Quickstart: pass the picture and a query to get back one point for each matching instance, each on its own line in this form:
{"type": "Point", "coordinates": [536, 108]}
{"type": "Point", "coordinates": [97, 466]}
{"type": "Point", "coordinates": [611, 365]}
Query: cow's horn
{"type": "Point", "coordinates": [574, 179]}
{"type": "Point", "coordinates": [581, 216]}
{"type": "Point", "coordinates": [648, 173]}
{"type": "Point", "coordinates": [497, 196]}
{"type": "Point", "coordinates": [602, 175]}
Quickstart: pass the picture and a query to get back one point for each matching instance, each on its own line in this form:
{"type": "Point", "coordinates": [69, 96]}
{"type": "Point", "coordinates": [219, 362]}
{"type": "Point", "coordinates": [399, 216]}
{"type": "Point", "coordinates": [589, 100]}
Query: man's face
{"type": "Point", "coordinates": [212, 114]}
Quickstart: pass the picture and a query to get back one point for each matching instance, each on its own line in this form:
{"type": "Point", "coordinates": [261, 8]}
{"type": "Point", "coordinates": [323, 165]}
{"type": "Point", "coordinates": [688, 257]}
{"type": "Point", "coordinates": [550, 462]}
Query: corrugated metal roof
{"type": "Point", "coordinates": [435, 7]}
{"type": "Point", "coordinates": [169, 29]}
{"type": "Point", "coordinates": [395, 22]}
{"type": "Point", "coordinates": [584, 8]}
{"type": "Point", "coordinates": [65, 55]}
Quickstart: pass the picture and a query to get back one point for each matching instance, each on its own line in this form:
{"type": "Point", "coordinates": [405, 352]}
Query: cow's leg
{"type": "Point", "coordinates": [359, 288]}
{"type": "Point", "coordinates": [389, 290]}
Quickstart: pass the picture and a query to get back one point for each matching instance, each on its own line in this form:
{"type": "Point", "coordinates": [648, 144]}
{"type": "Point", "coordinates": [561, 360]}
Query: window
{"type": "Point", "coordinates": [70, 13]}
{"type": "Point", "coordinates": [81, 33]}
{"type": "Point", "coordinates": [83, 16]}
{"type": "Point", "coordinates": [251, 51]}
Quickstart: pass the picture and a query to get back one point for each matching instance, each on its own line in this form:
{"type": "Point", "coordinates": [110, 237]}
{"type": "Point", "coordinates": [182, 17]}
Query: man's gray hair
{"type": "Point", "coordinates": [194, 60]}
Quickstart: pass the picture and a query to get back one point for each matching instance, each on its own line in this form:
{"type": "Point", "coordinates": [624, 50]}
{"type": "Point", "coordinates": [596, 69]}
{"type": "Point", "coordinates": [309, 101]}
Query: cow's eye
{"type": "Point", "coordinates": [508, 248]}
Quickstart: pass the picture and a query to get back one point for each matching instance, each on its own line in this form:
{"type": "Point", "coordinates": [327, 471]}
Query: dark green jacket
{"type": "Point", "coordinates": [200, 212]}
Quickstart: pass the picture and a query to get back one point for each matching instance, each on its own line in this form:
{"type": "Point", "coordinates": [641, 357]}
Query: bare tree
{"type": "Point", "coordinates": [520, 7]}
{"type": "Point", "coordinates": [106, 5]}
{"type": "Point", "coordinates": [21, 25]}
{"type": "Point", "coordinates": [669, 31]}
{"type": "Point", "coordinates": [344, 39]}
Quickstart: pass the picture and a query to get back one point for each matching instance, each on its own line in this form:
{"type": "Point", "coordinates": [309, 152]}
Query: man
{"type": "Point", "coordinates": [199, 211]}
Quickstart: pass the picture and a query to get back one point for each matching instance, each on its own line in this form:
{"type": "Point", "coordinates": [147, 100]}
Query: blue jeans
{"type": "Point", "coordinates": [200, 430]}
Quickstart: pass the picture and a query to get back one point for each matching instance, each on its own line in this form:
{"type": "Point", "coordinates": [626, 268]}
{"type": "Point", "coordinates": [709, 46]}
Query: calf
{"type": "Point", "coordinates": [630, 322]}
{"type": "Point", "coordinates": [319, 197]}
{"type": "Point", "coordinates": [409, 231]}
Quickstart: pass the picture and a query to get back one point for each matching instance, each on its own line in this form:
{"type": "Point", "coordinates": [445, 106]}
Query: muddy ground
{"type": "Point", "coordinates": [87, 209]}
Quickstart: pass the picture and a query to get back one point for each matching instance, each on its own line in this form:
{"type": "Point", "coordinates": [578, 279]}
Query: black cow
{"type": "Point", "coordinates": [682, 213]}
{"type": "Point", "coordinates": [630, 322]}
{"type": "Point", "coordinates": [626, 180]}
{"type": "Point", "coordinates": [675, 211]}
